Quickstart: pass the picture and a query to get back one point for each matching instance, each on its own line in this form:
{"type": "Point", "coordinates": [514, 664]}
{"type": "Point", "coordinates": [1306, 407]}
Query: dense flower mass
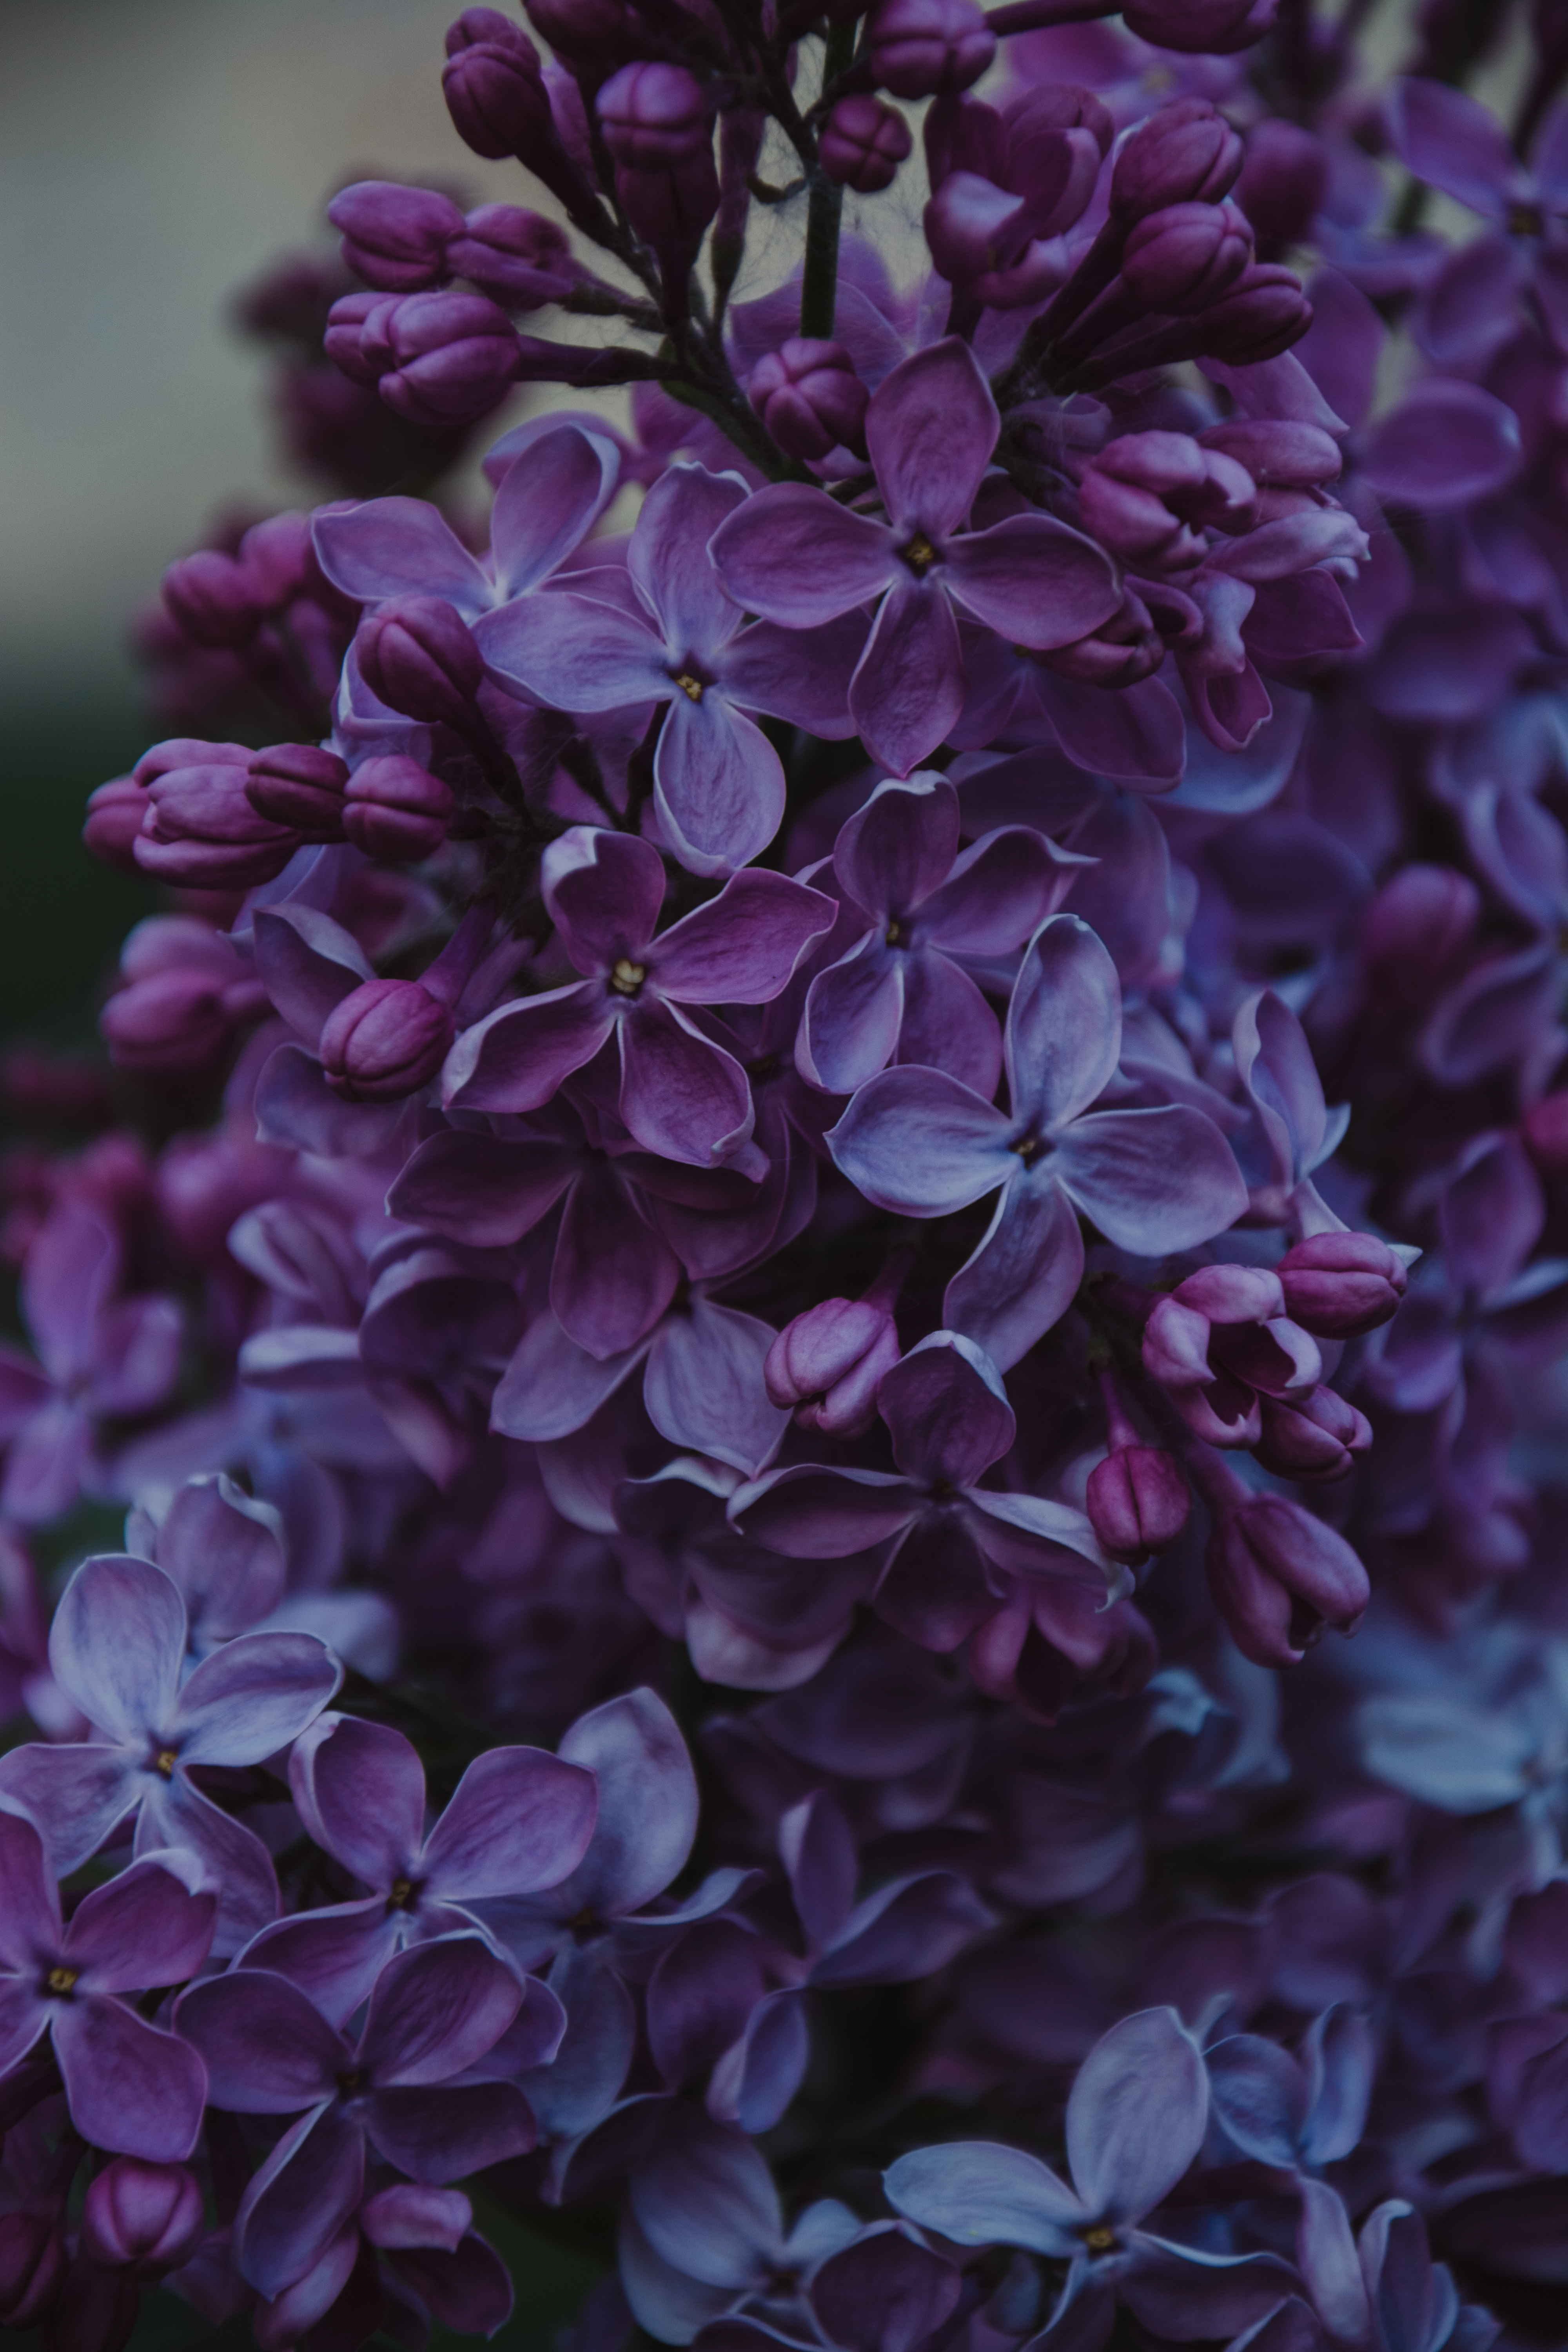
{"type": "Point", "coordinates": [829, 1146]}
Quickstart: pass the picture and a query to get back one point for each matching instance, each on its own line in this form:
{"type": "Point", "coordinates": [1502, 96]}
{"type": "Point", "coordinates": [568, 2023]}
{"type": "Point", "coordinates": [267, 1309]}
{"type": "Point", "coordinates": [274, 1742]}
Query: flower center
{"type": "Point", "coordinates": [401, 1894]}
{"type": "Point", "coordinates": [60, 1981]}
{"type": "Point", "coordinates": [626, 977]}
{"type": "Point", "coordinates": [1028, 1147]}
{"type": "Point", "coordinates": [691, 687]}
{"type": "Point", "coordinates": [1099, 2240]}
{"type": "Point", "coordinates": [1524, 220]}
{"type": "Point", "coordinates": [919, 554]}
{"type": "Point", "coordinates": [894, 935]}
{"type": "Point", "coordinates": [165, 1763]}
{"type": "Point", "coordinates": [352, 2080]}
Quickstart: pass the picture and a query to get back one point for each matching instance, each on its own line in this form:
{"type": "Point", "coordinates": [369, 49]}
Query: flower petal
{"type": "Point", "coordinates": [930, 428]}
{"type": "Point", "coordinates": [360, 1789]}
{"type": "Point", "coordinates": [570, 653]}
{"type": "Point", "coordinates": [668, 561]}
{"type": "Point", "coordinates": [719, 784]}
{"type": "Point", "coordinates": [267, 2051]}
{"type": "Point", "coordinates": [396, 547]}
{"type": "Point", "coordinates": [743, 947]}
{"type": "Point", "coordinates": [795, 556]}
{"type": "Point", "coordinates": [704, 1389]}
{"type": "Point", "coordinates": [515, 1057]}
{"type": "Point", "coordinates": [117, 1643]}
{"type": "Point", "coordinates": [519, 1820]}
{"type": "Point", "coordinates": [1023, 1275]}
{"type": "Point", "coordinates": [681, 1096]}
{"type": "Point", "coordinates": [1153, 1180]}
{"type": "Point", "coordinates": [1137, 2115]}
{"type": "Point", "coordinates": [922, 1144]}
{"type": "Point", "coordinates": [909, 687]}
{"type": "Point", "coordinates": [979, 2193]}
{"type": "Point", "coordinates": [131, 2087]}
{"type": "Point", "coordinates": [647, 1805]}
{"type": "Point", "coordinates": [1064, 1025]}
{"type": "Point", "coordinates": [549, 501]}
{"type": "Point", "coordinates": [854, 1012]}
{"type": "Point", "coordinates": [1034, 581]}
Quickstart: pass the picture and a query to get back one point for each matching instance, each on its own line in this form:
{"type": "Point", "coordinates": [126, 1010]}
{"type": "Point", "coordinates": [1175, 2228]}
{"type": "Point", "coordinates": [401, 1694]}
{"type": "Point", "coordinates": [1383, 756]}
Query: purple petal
{"type": "Point", "coordinates": [947, 1412]}
{"type": "Point", "coordinates": [295, 1107]}
{"type": "Point", "coordinates": [468, 2289]}
{"type": "Point", "coordinates": [394, 547]}
{"type": "Point", "coordinates": [1446, 444]}
{"type": "Point", "coordinates": [480, 1188]}
{"type": "Point", "coordinates": [883, 2294]}
{"type": "Point", "coordinates": [1153, 1180]}
{"type": "Point", "coordinates": [517, 1057]}
{"type": "Point", "coordinates": [807, 1513]}
{"type": "Point", "coordinates": [570, 653]}
{"type": "Point", "coordinates": [437, 2010]}
{"type": "Point", "coordinates": [604, 891]}
{"type": "Point", "coordinates": [238, 1865]}
{"type": "Point", "coordinates": [930, 428]}
{"type": "Point", "coordinates": [1326, 2255]}
{"type": "Point", "coordinates": [612, 1279]}
{"type": "Point", "coordinates": [297, 2203]}
{"type": "Point", "coordinates": [334, 1954]}
{"type": "Point", "coordinates": [130, 2087]}
{"type": "Point", "coordinates": [24, 1389]}
{"type": "Point", "coordinates": [755, 2080]}
{"type": "Point", "coordinates": [904, 1931]}
{"type": "Point", "coordinates": [77, 1795]}
{"type": "Point", "coordinates": [1259, 2096]}
{"type": "Point", "coordinates": [909, 685]}
{"type": "Point", "coordinates": [437, 2136]}
{"type": "Point", "coordinates": [819, 1850]}
{"type": "Point", "coordinates": [719, 784]}
{"type": "Point", "coordinates": [801, 675]}
{"type": "Point", "coordinates": [47, 1462]}
{"type": "Point", "coordinates": [921, 1144]}
{"type": "Point", "coordinates": [672, 2306]}
{"type": "Point", "coordinates": [700, 1996]}
{"type": "Point", "coordinates": [1032, 580]}
{"type": "Point", "coordinates": [681, 1096]}
{"type": "Point", "coordinates": [947, 1025]}
{"type": "Point", "coordinates": [551, 1386]}
{"type": "Point", "coordinates": [267, 2050]}
{"type": "Point", "coordinates": [549, 499]}
{"type": "Point", "coordinates": [795, 556]}
{"type": "Point", "coordinates": [308, 965]}
{"type": "Point", "coordinates": [1182, 2294]}
{"type": "Point", "coordinates": [252, 1697]}
{"type": "Point", "coordinates": [647, 1805]}
{"type": "Point", "coordinates": [1137, 2115]}
{"type": "Point", "coordinates": [136, 1355]}
{"type": "Point", "coordinates": [68, 1274]}
{"type": "Point", "coordinates": [24, 2015]}
{"type": "Point", "coordinates": [668, 561]}
{"type": "Point", "coordinates": [582, 2082]}
{"type": "Point", "coordinates": [743, 947]}
{"type": "Point", "coordinates": [898, 846]}
{"type": "Point", "coordinates": [520, 1820]}
{"type": "Point", "coordinates": [405, 2216]}
{"type": "Point", "coordinates": [117, 1643]}
{"type": "Point", "coordinates": [1449, 140]}
{"type": "Point", "coordinates": [1064, 1026]}
{"type": "Point", "coordinates": [1135, 735]}
{"type": "Point", "coordinates": [360, 1789]}
{"type": "Point", "coordinates": [706, 2203]}
{"type": "Point", "coordinates": [854, 1012]}
{"type": "Point", "coordinates": [29, 1907]}
{"type": "Point", "coordinates": [704, 1389]}
{"type": "Point", "coordinates": [146, 1928]}
{"type": "Point", "coordinates": [979, 2193]}
{"type": "Point", "coordinates": [999, 892]}
{"type": "Point", "coordinates": [224, 1552]}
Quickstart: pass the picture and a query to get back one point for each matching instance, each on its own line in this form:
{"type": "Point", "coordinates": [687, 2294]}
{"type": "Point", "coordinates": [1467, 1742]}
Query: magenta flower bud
{"type": "Point", "coordinates": [1123, 650]}
{"type": "Point", "coordinates": [1195, 27]}
{"type": "Point", "coordinates": [201, 832]}
{"type": "Point", "coordinates": [32, 2267]}
{"type": "Point", "coordinates": [862, 145]}
{"type": "Point", "coordinates": [394, 237]}
{"type": "Point", "coordinates": [416, 654]}
{"type": "Point", "coordinates": [1181, 259]}
{"type": "Point", "coordinates": [518, 258]}
{"type": "Point", "coordinates": [386, 1040]}
{"type": "Point", "coordinates": [1415, 928]}
{"type": "Point", "coordinates": [212, 599]}
{"type": "Point", "coordinates": [827, 1364]}
{"type": "Point", "coordinates": [928, 48]}
{"type": "Point", "coordinates": [1341, 1284]}
{"type": "Point", "coordinates": [1138, 1502]}
{"type": "Point", "coordinates": [149, 2214]}
{"type": "Point", "coordinates": [1233, 1294]}
{"type": "Point", "coordinates": [973, 227]}
{"type": "Point", "coordinates": [1280, 1578]}
{"type": "Point", "coordinates": [1544, 1126]}
{"type": "Point", "coordinates": [669, 210]}
{"type": "Point", "coordinates": [114, 814]}
{"type": "Point", "coordinates": [493, 86]}
{"type": "Point", "coordinates": [1317, 1437]}
{"type": "Point", "coordinates": [656, 117]}
{"type": "Point", "coordinates": [436, 359]}
{"type": "Point", "coordinates": [1264, 313]}
{"type": "Point", "coordinates": [810, 398]}
{"type": "Point", "coordinates": [1278, 452]}
{"type": "Point", "coordinates": [168, 1023]}
{"type": "Point", "coordinates": [1184, 153]}
{"type": "Point", "coordinates": [396, 810]}
{"type": "Point", "coordinates": [1283, 180]}
{"type": "Point", "coordinates": [1140, 496]}
{"type": "Point", "coordinates": [276, 559]}
{"type": "Point", "coordinates": [302, 785]}
{"type": "Point", "coordinates": [584, 33]}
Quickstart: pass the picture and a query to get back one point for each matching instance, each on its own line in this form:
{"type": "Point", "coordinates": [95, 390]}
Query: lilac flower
{"type": "Point", "coordinates": [518, 1822]}
{"type": "Point", "coordinates": [100, 1357]}
{"type": "Point", "coordinates": [1134, 2123]}
{"type": "Point", "coordinates": [408, 2252]}
{"type": "Point", "coordinates": [435, 2012]}
{"type": "Point", "coordinates": [794, 555]}
{"type": "Point", "coordinates": [923, 1144]}
{"type": "Point", "coordinates": [677, 641]}
{"type": "Point", "coordinates": [681, 1096]}
{"type": "Point", "coordinates": [117, 1648]}
{"type": "Point", "coordinates": [130, 2086]}
{"type": "Point", "coordinates": [955, 1547]}
{"type": "Point", "coordinates": [900, 992]}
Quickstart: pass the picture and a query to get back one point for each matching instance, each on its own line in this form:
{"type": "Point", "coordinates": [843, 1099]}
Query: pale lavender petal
{"type": "Point", "coordinates": [681, 1096]}
{"type": "Point", "coordinates": [909, 687]}
{"type": "Point", "coordinates": [551, 1386]}
{"type": "Point", "coordinates": [922, 1144]}
{"type": "Point", "coordinates": [360, 1789]}
{"type": "Point", "coordinates": [146, 1928]}
{"type": "Point", "coordinates": [238, 1865]}
{"type": "Point", "coordinates": [668, 561]}
{"type": "Point", "coordinates": [76, 1794]}
{"type": "Point", "coordinates": [704, 1389]}
{"type": "Point", "coordinates": [136, 1355]}
{"type": "Point", "coordinates": [930, 428]}
{"type": "Point", "coordinates": [70, 1269]}
{"type": "Point", "coordinates": [758, 2076]}
{"type": "Point", "coordinates": [519, 1820]}
{"type": "Point", "coordinates": [1446, 137]}
{"type": "Point", "coordinates": [719, 784]}
{"type": "Point", "coordinates": [308, 963]}
{"type": "Point", "coordinates": [980, 2193]}
{"type": "Point", "coordinates": [397, 547]}
{"type": "Point", "coordinates": [1137, 2115]}
{"type": "Point", "coordinates": [706, 2203]}
{"type": "Point", "coordinates": [1025, 1274]}
{"type": "Point", "coordinates": [1153, 1180]}
{"type": "Point", "coordinates": [743, 947]}
{"type": "Point", "coordinates": [572, 654]}
{"type": "Point", "coordinates": [130, 2087]}
{"type": "Point", "coordinates": [898, 846]}
{"type": "Point", "coordinates": [117, 1645]}
{"type": "Point", "coordinates": [947, 1025]}
{"type": "Point", "coordinates": [47, 1463]}
{"type": "Point", "coordinates": [647, 1805]}
{"type": "Point", "coordinates": [854, 1012]}
{"type": "Point", "coordinates": [252, 1697]}
{"type": "Point", "coordinates": [224, 1552]}
{"type": "Point", "coordinates": [1031, 1534]}
{"type": "Point", "coordinates": [549, 501]}
{"type": "Point", "coordinates": [29, 1907]}
{"type": "Point", "coordinates": [795, 556]}
{"type": "Point", "coordinates": [515, 1057]}
{"type": "Point", "coordinates": [1034, 581]}
{"type": "Point", "coordinates": [1064, 1025]}
{"type": "Point", "coordinates": [801, 675]}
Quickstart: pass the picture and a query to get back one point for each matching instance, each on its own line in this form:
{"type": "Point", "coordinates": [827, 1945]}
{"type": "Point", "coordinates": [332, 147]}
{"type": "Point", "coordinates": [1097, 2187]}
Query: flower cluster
{"type": "Point", "coordinates": [827, 1138]}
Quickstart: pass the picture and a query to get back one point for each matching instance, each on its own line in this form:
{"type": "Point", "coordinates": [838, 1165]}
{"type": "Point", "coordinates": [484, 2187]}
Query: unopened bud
{"type": "Point", "coordinates": [302, 785]}
{"type": "Point", "coordinates": [146, 2214]}
{"type": "Point", "coordinates": [493, 86]}
{"type": "Point", "coordinates": [1180, 260]}
{"type": "Point", "coordinates": [1186, 153]}
{"type": "Point", "coordinates": [114, 814]}
{"type": "Point", "coordinates": [1265, 312]}
{"type": "Point", "coordinates": [201, 832]}
{"type": "Point", "coordinates": [1137, 1502]}
{"type": "Point", "coordinates": [810, 398]}
{"type": "Point", "coordinates": [1198, 27]}
{"type": "Point", "coordinates": [1339, 1285]}
{"type": "Point", "coordinates": [278, 560]}
{"type": "Point", "coordinates": [417, 655]}
{"type": "Point", "coordinates": [656, 117]}
{"type": "Point", "coordinates": [1416, 927]}
{"type": "Point", "coordinates": [928, 48]}
{"type": "Point", "coordinates": [516, 257]}
{"type": "Point", "coordinates": [862, 145]}
{"type": "Point", "coordinates": [32, 2265]}
{"type": "Point", "coordinates": [1280, 1578]}
{"type": "Point", "coordinates": [436, 359]}
{"type": "Point", "coordinates": [396, 810]}
{"type": "Point", "coordinates": [1146, 496]}
{"type": "Point", "coordinates": [386, 1039]}
{"type": "Point", "coordinates": [671, 209]}
{"type": "Point", "coordinates": [395, 237]}
{"type": "Point", "coordinates": [211, 598]}
{"type": "Point", "coordinates": [1276, 452]}
{"type": "Point", "coordinates": [972, 227]}
{"type": "Point", "coordinates": [827, 1363]}
{"type": "Point", "coordinates": [1316, 1438]}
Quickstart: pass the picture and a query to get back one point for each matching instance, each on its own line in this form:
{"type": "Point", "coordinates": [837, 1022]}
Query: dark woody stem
{"type": "Point", "coordinates": [819, 284]}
